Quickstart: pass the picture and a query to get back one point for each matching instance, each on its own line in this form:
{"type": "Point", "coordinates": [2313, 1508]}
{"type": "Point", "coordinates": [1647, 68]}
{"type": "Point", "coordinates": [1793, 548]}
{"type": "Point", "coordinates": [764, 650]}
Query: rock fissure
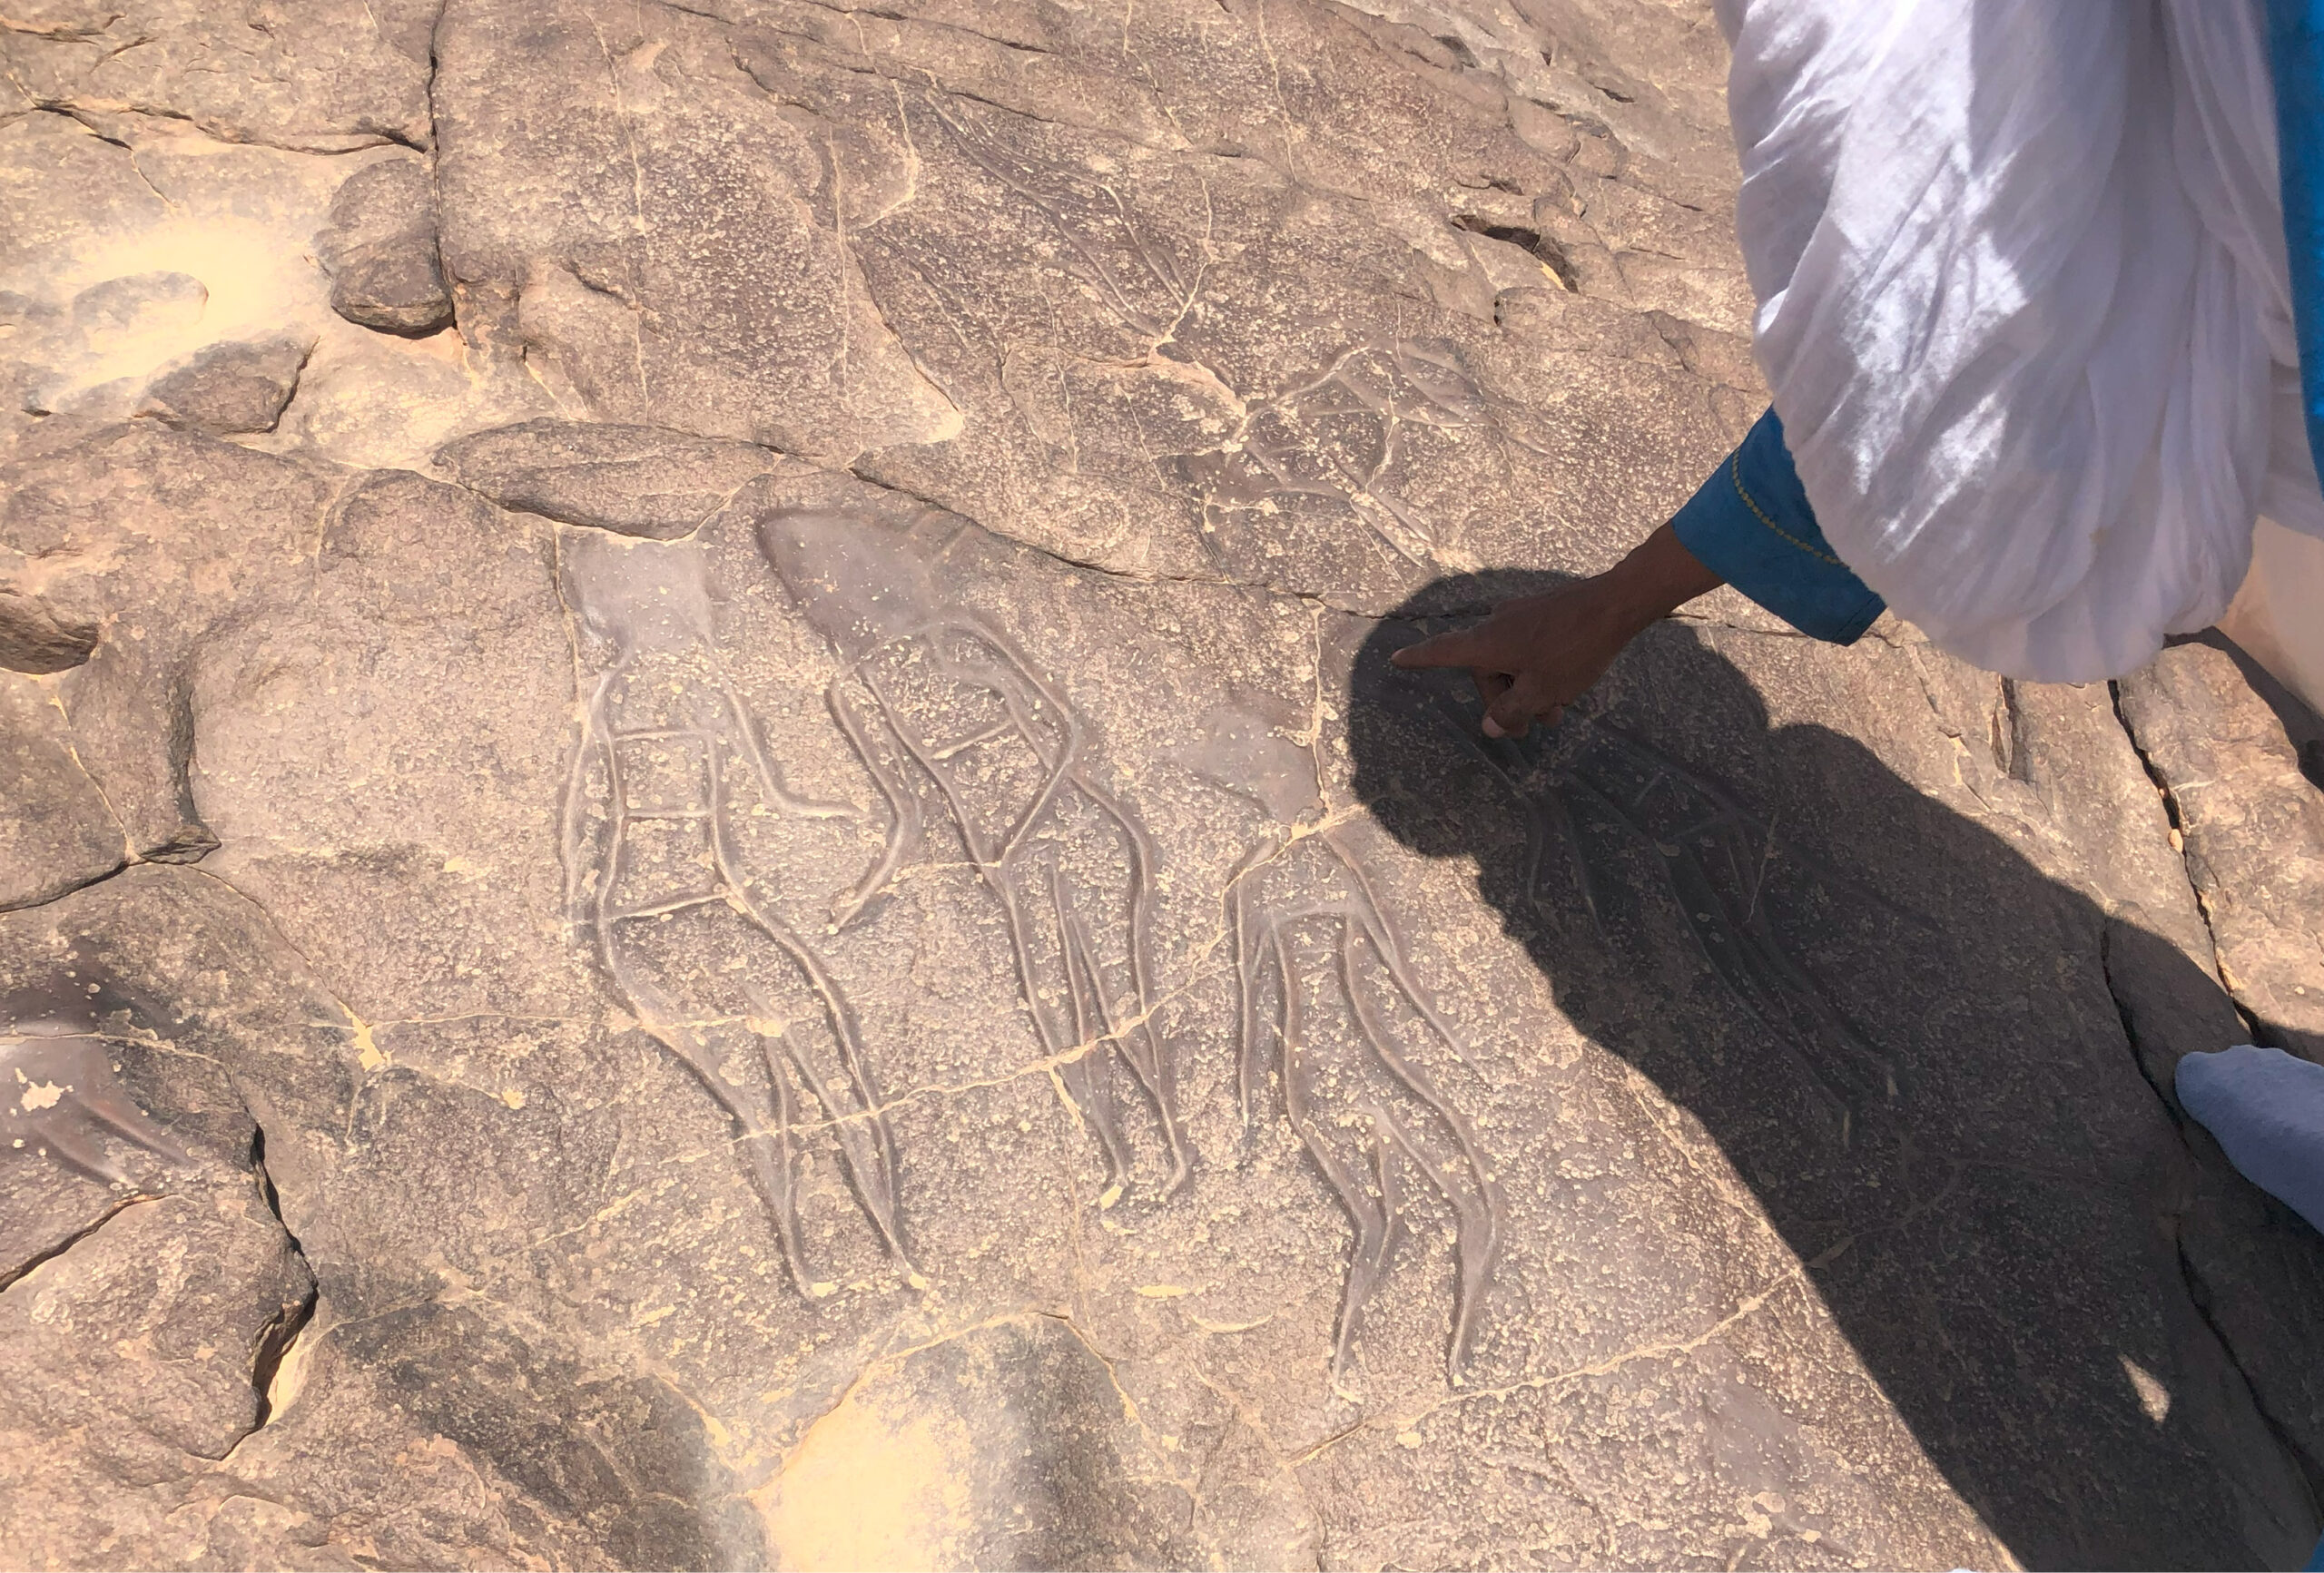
{"type": "Point", "coordinates": [11, 1276]}
{"type": "Point", "coordinates": [2199, 1294]}
{"type": "Point", "coordinates": [2169, 796]}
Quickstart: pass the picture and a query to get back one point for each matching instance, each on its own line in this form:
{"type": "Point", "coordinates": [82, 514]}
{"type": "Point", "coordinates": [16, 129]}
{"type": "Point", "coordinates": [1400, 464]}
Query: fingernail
{"type": "Point", "coordinates": [1492, 728]}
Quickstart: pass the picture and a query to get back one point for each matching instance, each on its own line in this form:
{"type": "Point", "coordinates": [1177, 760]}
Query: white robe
{"type": "Point", "coordinates": [2024, 309]}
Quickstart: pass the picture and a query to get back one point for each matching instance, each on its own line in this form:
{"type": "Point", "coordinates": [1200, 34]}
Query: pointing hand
{"type": "Point", "coordinates": [1538, 654]}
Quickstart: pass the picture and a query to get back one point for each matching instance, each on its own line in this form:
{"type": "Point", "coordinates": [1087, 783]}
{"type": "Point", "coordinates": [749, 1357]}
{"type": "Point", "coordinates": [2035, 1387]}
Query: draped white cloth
{"type": "Point", "coordinates": [2024, 308]}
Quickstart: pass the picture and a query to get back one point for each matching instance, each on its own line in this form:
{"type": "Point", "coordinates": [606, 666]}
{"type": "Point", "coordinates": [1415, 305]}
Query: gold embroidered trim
{"type": "Point", "coordinates": [1735, 474]}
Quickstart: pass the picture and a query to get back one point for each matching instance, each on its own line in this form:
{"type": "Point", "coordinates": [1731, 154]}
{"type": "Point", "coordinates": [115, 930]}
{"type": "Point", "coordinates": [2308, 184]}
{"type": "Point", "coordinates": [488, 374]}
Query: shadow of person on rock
{"type": "Point", "coordinates": [1902, 1035]}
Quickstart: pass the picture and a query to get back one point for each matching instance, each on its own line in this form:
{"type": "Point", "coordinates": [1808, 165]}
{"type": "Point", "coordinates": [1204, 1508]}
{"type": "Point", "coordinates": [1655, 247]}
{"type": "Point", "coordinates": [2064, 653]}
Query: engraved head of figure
{"type": "Point", "coordinates": [858, 583]}
{"type": "Point", "coordinates": [1252, 753]}
{"type": "Point", "coordinates": [638, 595]}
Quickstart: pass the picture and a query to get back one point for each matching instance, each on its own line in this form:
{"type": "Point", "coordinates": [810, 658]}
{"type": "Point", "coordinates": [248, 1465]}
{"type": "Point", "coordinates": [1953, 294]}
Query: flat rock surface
{"type": "Point", "coordinates": [708, 857]}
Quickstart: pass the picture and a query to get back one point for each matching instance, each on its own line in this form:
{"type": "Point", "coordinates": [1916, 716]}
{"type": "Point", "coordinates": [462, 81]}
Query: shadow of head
{"type": "Point", "coordinates": [1902, 1035]}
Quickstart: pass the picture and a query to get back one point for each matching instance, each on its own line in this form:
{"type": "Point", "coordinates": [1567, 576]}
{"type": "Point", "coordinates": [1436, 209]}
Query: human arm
{"type": "Point", "coordinates": [1749, 525]}
{"type": "Point", "coordinates": [1538, 654]}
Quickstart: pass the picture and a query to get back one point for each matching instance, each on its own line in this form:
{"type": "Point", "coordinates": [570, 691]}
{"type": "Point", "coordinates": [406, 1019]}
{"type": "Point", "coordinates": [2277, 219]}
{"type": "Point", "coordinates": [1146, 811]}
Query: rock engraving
{"type": "Point", "coordinates": [929, 686]}
{"type": "Point", "coordinates": [1350, 437]}
{"type": "Point", "coordinates": [670, 766]}
{"type": "Point", "coordinates": [1321, 972]}
{"type": "Point", "coordinates": [1712, 857]}
{"type": "Point", "coordinates": [1146, 286]}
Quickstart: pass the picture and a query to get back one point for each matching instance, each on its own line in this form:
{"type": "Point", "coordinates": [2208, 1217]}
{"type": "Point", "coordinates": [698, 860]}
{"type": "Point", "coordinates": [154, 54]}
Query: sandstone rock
{"type": "Point", "coordinates": [631, 479]}
{"type": "Point", "coordinates": [55, 831]}
{"type": "Point", "coordinates": [774, 905]}
{"type": "Point", "coordinates": [1244, 339]}
{"type": "Point", "coordinates": [151, 1288]}
{"type": "Point", "coordinates": [229, 389]}
{"type": "Point", "coordinates": [2253, 826]}
{"type": "Point", "coordinates": [380, 251]}
{"type": "Point", "coordinates": [158, 536]}
{"type": "Point", "coordinates": [322, 78]}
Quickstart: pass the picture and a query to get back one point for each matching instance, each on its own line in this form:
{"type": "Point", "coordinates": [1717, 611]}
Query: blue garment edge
{"type": "Point", "coordinates": [2295, 60]}
{"type": "Point", "coordinates": [1750, 524]}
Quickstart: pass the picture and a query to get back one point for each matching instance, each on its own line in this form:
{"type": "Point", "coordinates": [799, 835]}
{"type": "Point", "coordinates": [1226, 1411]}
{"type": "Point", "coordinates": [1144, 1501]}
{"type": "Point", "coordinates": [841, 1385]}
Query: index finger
{"type": "Point", "coordinates": [1459, 648]}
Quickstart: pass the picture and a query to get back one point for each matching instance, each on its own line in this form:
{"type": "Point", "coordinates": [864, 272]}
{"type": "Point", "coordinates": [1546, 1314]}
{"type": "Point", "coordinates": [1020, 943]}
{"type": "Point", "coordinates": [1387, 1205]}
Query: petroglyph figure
{"type": "Point", "coordinates": [1352, 436]}
{"type": "Point", "coordinates": [930, 686]}
{"type": "Point", "coordinates": [1348, 435]}
{"type": "Point", "coordinates": [1322, 976]}
{"type": "Point", "coordinates": [671, 784]}
{"type": "Point", "coordinates": [1133, 271]}
{"type": "Point", "coordinates": [1587, 778]}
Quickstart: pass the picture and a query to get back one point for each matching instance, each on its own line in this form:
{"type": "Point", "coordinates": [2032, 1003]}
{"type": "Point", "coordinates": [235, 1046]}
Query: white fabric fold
{"type": "Point", "coordinates": [2024, 309]}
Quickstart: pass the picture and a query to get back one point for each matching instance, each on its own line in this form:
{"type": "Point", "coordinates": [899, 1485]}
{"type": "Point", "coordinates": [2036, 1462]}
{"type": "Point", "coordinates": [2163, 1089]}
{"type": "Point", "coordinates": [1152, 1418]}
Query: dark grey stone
{"type": "Point", "coordinates": [229, 389]}
{"type": "Point", "coordinates": [381, 249]}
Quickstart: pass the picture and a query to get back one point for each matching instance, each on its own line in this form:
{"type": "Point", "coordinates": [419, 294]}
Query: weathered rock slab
{"type": "Point", "coordinates": [767, 900]}
{"type": "Point", "coordinates": [228, 389]}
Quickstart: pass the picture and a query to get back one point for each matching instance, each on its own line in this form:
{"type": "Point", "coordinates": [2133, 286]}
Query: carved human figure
{"type": "Point", "coordinates": [670, 769]}
{"type": "Point", "coordinates": [1588, 776]}
{"type": "Point", "coordinates": [929, 686]}
{"type": "Point", "coordinates": [1321, 974]}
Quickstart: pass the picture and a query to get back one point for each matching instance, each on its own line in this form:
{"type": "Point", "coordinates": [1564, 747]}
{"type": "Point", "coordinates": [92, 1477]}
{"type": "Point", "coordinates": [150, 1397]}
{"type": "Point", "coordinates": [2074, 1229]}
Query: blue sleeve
{"type": "Point", "coordinates": [1750, 524]}
{"type": "Point", "coordinates": [2267, 1109]}
{"type": "Point", "coordinates": [2296, 57]}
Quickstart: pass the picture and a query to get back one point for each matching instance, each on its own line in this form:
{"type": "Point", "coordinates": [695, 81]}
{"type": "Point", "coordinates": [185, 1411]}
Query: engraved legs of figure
{"type": "Point", "coordinates": [932, 689]}
{"type": "Point", "coordinates": [1714, 858]}
{"type": "Point", "coordinates": [1314, 949]}
{"type": "Point", "coordinates": [670, 770]}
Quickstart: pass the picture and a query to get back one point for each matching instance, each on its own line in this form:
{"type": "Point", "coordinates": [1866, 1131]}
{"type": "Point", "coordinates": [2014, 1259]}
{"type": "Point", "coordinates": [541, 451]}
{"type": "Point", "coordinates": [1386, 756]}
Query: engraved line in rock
{"type": "Point", "coordinates": [1260, 928]}
{"type": "Point", "coordinates": [866, 1148]}
{"type": "Point", "coordinates": [871, 597]}
{"type": "Point", "coordinates": [906, 831]}
{"type": "Point", "coordinates": [1732, 932]}
{"type": "Point", "coordinates": [999, 858]}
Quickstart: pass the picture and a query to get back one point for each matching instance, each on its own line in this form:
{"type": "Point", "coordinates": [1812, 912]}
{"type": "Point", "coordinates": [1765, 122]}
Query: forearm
{"type": "Point", "coordinates": [1657, 577]}
{"type": "Point", "coordinates": [1750, 524]}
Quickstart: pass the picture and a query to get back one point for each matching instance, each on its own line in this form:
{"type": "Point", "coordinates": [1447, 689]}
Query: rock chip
{"type": "Point", "coordinates": [380, 251]}
{"type": "Point", "coordinates": [229, 389]}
